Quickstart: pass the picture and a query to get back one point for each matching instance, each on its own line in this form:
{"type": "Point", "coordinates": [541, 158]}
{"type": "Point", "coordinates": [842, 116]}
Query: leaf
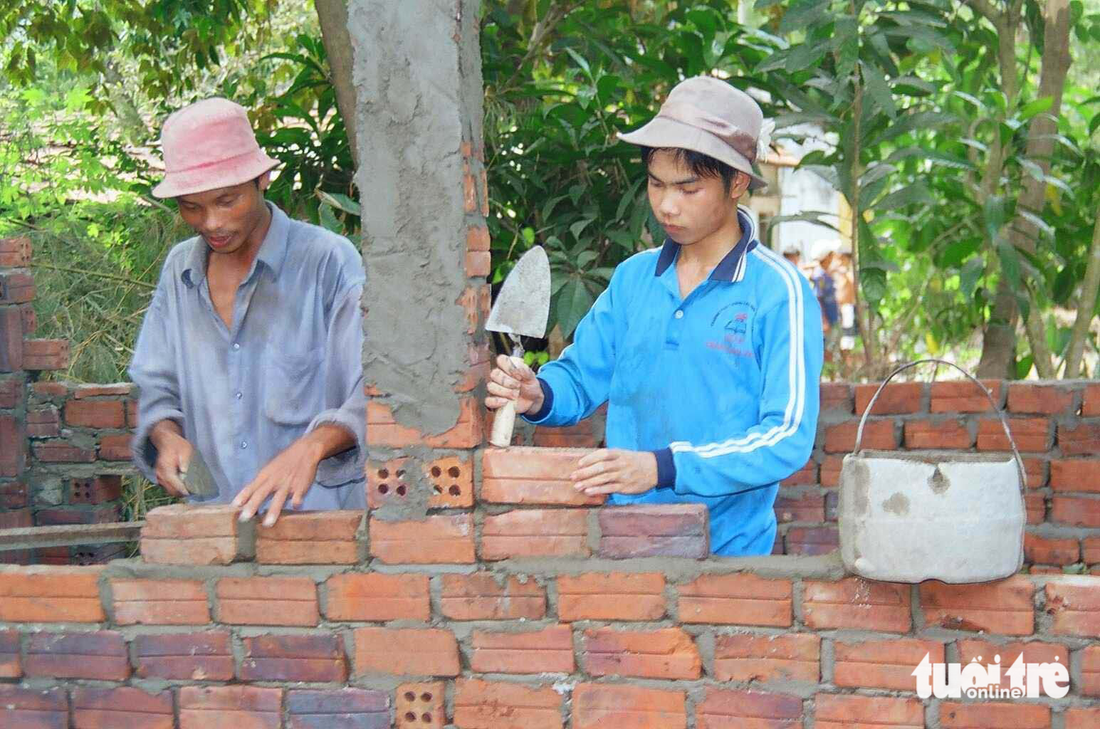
{"type": "Point", "coordinates": [329, 220]}
{"type": "Point", "coordinates": [957, 252]}
{"type": "Point", "coordinates": [994, 217]}
{"type": "Point", "coordinates": [339, 201]}
{"type": "Point", "coordinates": [878, 89]}
{"type": "Point", "coordinates": [1023, 366]}
{"type": "Point", "coordinates": [1036, 107]}
{"type": "Point", "coordinates": [802, 13]}
{"type": "Point", "coordinates": [917, 194]}
{"type": "Point", "coordinates": [578, 227]}
{"type": "Point", "coordinates": [811, 216]}
{"type": "Point", "coordinates": [580, 61]}
{"type": "Point", "coordinates": [571, 304]}
{"type": "Point", "coordinates": [969, 276]}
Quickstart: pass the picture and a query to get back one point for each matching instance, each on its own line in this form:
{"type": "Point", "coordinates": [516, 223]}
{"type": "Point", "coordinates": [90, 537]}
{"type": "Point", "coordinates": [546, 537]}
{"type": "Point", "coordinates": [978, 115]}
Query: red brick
{"type": "Point", "coordinates": [535, 533]}
{"type": "Point", "coordinates": [100, 655]}
{"type": "Point", "coordinates": [26, 708]}
{"type": "Point", "coordinates": [808, 507]}
{"type": "Point", "coordinates": [420, 706]}
{"type": "Point", "coordinates": [896, 398]}
{"type": "Point", "coordinates": [115, 447]}
{"type": "Point", "coordinates": [812, 540]}
{"type": "Point", "coordinates": [43, 422]}
{"type": "Point", "coordinates": [737, 599]}
{"type": "Point", "coordinates": [938, 433]}
{"type": "Point", "coordinates": [417, 652]}
{"type": "Point", "coordinates": [668, 653]}
{"type": "Point", "coordinates": [192, 656]}
{"type": "Point", "coordinates": [763, 657]}
{"type": "Point", "coordinates": [877, 435]}
{"type": "Point", "coordinates": [315, 658]}
{"type": "Point", "coordinates": [1036, 508]}
{"type": "Point", "coordinates": [858, 604]}
{"type": "Point", "coordinates": [10, 666]}
{"type": "Point", "coordinates": [11, 391]}
{"type": "Point", "coordinates": [1004, 606]}
{"type": "Point", "coordinates": [45, 354]}
{"type": "Point", "coordinates": [1075, 604]}
{"type": "Point", "coordinates": [1081, 718]}
{"type": "Point", "coordinates": [985, 653]}
{"type": "Point", "coordinates": [83, 392]}
{"type": "Point", "coordinates": [131, 413]}
{"type": "Point", "coordinates": [1032, 435]}
{"type": "Point", "coordinates": [50, 390]}
{"type": "Point", "coordinates": [11, 339]}
{"type": "Point", "coordinates": [1088, 662]}
{"type": "Point", "coordinates": [316, 537]}
{"type": "Point", "coordinates": [62, 451]}
{"type": "Point", "coordinates": [451, 479]}
{"type": "Point", "coordinates": [384, 431]}
{"type": "Point", "coordinates": [485, 596]}
{"type": "Point", "coordinates": [608, 706]}
{"type": "Point", "coordinates": [805, 476]}
{"type": "Point", "coordinates": [14, 496]}
{"type": "Point", "coordinates": [131, 708]}
{"type": "Point", "coordinates": [94, 490]}
{"type": "Point", "coordinates": [1043, 550]}
{"type": "Point", "coordinates": [833, 711]}
{"type": "Point", "coordinates": [15, 252]}
{"type": "Point", "coordinates": [160, 602]}
{"type": "Point", "coordinates": [1038, 569]}
{"type": "Point", "coordinates": [549, 650]}
{"type": "Point", "coordinates": [1076, 474]}
{"type": "Point", "coordinates": [1079, 511]}
{"type": "Point", "coordinates": [520, 475]}
{"type": "Point", "coordinates": [1036, 471]}
{"type": "Point", "coordinates": [993, 716]}
{"type": "Point", "coordinates": [654, 530]}
{"type": "Point", "coordinates": [103, 514]}
{"type": "Point", "coordinates": [267, 601]}
{"type": "Point", "coordinates": [830, 471]}
{"type": "Point", "coordinates": [478, 264]}
{"type": "Point", "coordinates": [16, 287]}
{"type": "Point", "coordinates": [1090, 403]}
{"type": "Point", "coordinates": [727, 709]}
{"type": "Point", "coordinates": [29, 318]}
{"type": "Point", "coordinates": [214, 707]}
{"type": "Point", "coordinates": [19, 519]}
{"type": "Point", "coordinates": [387, 482]}
{"type": "Point", "coordinates": [50, 595]}
{"type": "Point", "coordinates": [1082, 439]}
{"type": "Point", "coordinates": [963, 396]}
{"type": "Point", "coordinates": [498, 705]}
{"type": "Point", "coordinates": [338, 709]}
{"type": "Point", "coordinates": [483, 185]}
{"type": "Point", "coordinates": [442, 539]}
{"type": "Point", "coordinates": [836, 397]}
{"type": "Point", "coordinates": [95, 413]}
{"type": "Point", "coordinates": [377, 596]}
{"type": "Point", "coordinates": [469, 191]}
{"type": "Point", "coordinates": [1090, 550]}
{"type": "Point", "coordinates": [477, 238]}
{"type": "Point", "coordinates": [884, 664]}
{"type": "Point", "coordinates": [13, 447]}
{"type": "Point", "coordinates": [611, 596]}
{"type": "Point", "coordinates": [1025, 397]}
{"type": "Point", "coordinates": [185, 534]}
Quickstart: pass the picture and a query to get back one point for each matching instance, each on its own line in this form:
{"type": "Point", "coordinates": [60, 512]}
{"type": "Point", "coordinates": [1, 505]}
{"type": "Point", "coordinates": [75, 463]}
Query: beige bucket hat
{"type": "Point", "coordinates": [707, 115]}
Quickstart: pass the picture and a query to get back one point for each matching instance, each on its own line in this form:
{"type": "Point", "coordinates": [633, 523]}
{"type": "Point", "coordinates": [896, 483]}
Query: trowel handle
{"type": "Point", "coordinates": [503, 424]}
{"type": "Point", "coordinates": [976, 381]}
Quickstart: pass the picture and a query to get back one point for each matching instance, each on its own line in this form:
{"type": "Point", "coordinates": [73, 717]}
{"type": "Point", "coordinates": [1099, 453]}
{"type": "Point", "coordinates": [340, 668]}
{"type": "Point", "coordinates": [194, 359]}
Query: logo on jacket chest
{"type": "Point", "coordinates": [731, 328]}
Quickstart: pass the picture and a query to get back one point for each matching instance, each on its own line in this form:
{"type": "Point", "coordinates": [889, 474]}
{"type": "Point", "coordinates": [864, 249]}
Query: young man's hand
{"type": "Point", "coordinates": [513, 380]}
{"type": "Point", "coordinates": [288, 475]}
{"type": "Point", "coordinates": [173, 456]}
{"type": "Point", "coordinates": [615, 472]}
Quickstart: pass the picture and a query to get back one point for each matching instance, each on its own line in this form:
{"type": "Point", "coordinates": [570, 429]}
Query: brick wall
{"type": "Point", "coordinates": [481, 619]}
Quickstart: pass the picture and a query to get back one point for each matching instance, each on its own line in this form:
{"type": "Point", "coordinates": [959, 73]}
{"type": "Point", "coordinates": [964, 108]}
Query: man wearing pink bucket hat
{"type": "Point", "coordinates": [250, 352]}
{"type": "Point", "coordinates": [707, 350]}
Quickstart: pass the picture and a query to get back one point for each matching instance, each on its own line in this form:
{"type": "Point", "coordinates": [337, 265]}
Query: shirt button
{"type": "Point", "coordinates": [244, 444]}
{"type": "Point", "coordinates": [679, 314]}
{"type": "Point", "coordinates": [236, 345]}
{"type": "Point", "coordinates": [240, 395]}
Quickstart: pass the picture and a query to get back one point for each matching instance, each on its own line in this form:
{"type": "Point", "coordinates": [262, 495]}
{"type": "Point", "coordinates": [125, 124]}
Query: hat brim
{"type": "Point", "coordinates": [231, 172]}
{"type": "Point", "coordinates": [664, 133]}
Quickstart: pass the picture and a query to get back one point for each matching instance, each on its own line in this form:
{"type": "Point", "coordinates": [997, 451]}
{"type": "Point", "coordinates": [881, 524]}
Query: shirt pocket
{"type": "Point", "coordinates": [293, 382]}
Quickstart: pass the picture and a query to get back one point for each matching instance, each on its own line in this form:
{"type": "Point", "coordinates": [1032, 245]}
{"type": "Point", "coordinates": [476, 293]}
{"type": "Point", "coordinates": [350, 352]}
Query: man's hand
{"type": "Point", "coordinates": [615, 472]}
{"type": "Point", "coordinates": [513, 380]}
{"type": "Point", "coordinates": [173, 456]}
{"type": "Point", "coordinates": [288, 475]}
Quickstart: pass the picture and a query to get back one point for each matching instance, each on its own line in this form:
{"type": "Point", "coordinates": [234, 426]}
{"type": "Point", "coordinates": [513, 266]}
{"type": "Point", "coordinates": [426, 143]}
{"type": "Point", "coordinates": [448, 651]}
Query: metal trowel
{"type": "Point", "coordinates": [197, 479]}
{"type": "Point", "coordinates": [521, 310]}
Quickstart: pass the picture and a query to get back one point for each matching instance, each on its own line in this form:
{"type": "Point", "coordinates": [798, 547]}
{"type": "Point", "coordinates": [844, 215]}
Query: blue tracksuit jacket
{"type": "Point", "coordinates": [722, 386]}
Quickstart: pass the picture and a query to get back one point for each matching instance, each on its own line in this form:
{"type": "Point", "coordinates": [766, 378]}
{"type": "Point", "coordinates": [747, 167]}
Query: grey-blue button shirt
{"type": "Point", "coordinates": [292, 360]}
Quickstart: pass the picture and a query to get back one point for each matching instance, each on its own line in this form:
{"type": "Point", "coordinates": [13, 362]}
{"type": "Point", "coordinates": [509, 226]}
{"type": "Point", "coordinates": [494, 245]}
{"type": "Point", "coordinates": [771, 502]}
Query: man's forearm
{"type": "Point", "coordinates": [327, 439]}
{"type": "Point", "coordinates": [162, 430]}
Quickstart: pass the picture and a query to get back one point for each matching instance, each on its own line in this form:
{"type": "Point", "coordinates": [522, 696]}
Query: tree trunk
{"type": "Point", "coordinates": [333, 15]}
{"type": "Point", "coordinates": [1086, 305]}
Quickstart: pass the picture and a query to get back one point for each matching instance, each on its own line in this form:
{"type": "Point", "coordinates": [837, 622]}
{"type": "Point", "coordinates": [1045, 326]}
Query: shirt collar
{"type": "Point", "coordinates": [732, 267]}
{"type": "Point", "coordinates": [272, 252]}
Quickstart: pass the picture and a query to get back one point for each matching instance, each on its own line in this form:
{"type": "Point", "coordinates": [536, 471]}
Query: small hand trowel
{"type": "Point", "coordinates": [197, 479]}
{"type": "Point", "coordinates": [521, 310]}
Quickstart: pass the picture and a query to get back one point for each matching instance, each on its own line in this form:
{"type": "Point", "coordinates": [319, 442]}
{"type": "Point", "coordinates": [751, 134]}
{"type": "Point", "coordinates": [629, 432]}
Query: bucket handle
{"type": "Point", "coordinates": [1000, 413]}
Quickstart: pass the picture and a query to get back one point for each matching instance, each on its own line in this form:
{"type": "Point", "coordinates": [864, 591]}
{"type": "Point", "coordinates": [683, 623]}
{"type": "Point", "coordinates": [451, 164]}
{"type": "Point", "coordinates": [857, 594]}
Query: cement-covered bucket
{"type": "Point", "coordinates": [914, 516]}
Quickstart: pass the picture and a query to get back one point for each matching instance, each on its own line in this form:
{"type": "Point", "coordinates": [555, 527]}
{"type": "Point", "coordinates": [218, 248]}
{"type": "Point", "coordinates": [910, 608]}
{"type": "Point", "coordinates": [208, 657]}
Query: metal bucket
{"type": "Point", "coordinates": [913, 516]}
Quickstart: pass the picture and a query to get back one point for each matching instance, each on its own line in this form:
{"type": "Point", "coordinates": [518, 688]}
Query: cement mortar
{"type": "Point", "coordinates": [417, 102]}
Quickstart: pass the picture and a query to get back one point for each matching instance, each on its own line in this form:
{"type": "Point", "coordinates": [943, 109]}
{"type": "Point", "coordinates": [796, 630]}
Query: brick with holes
{"type": "Point", "coordinates": [452, 482]}
{"type": "Point", "coordinates": [420, 706]}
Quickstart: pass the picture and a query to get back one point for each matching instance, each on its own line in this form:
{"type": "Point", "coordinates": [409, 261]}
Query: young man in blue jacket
{"type": "Point", "coordinates": [707, 350]}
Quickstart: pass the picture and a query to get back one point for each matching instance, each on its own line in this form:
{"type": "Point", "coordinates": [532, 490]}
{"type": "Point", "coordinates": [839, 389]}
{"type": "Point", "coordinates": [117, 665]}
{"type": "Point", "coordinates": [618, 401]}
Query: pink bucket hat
{"type": "Point", "coordinates": [707, 115]}
{"type": "Point", "coordinates": [207, 145]}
